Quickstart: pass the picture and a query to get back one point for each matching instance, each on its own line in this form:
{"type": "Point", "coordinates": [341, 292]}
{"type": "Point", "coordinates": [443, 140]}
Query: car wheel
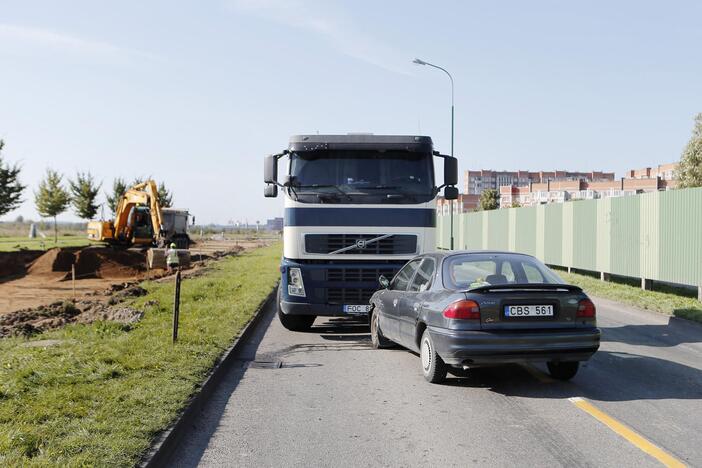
{"type": "Point", "coordinates": [563, 370]}
{"type": "Point", "coordinates": [433, 367]}
{"type": "Point", "coordinates": [298, 323]}
{"type": "Point", "coordinates": [377, 338]}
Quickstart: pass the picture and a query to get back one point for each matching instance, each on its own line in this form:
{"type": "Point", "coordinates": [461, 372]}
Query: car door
{"type": "Point", "coordinates": [410, 305]}
{"type": "Point", "coordinates": [389, 317]}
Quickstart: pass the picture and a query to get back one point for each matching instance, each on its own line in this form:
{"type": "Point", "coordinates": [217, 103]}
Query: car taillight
{"type": "Point", "coordinates": [463, 310]}
{"type": "Point", "coordinates": [586, 309]}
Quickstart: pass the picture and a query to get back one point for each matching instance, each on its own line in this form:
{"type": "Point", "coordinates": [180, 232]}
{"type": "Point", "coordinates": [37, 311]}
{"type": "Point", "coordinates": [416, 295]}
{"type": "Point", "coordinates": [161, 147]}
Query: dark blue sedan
{"type": "Point", "coordinates": [475, 308]}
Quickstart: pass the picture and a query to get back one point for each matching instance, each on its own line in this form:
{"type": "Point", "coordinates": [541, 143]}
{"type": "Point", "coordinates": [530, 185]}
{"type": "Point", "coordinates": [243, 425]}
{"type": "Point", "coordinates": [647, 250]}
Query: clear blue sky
{"type": "Point", "coordinates": [196, 93]}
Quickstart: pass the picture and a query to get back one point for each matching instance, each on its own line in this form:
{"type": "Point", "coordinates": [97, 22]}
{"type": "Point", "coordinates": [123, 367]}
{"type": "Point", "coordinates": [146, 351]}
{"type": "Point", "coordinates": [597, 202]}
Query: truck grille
{"type": "Point", "coordinates": [396, 244]}
{"type": "Point", "coordinates": [349, 295]}
{"type": "Point", "coordinates": [359, 274]}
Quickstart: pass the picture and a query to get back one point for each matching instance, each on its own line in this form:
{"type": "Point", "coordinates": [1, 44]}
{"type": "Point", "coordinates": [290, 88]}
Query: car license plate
{"type": "Point", "coordinates": [357, 309]}
{"type": "Point", "coordinates": [529, 311]}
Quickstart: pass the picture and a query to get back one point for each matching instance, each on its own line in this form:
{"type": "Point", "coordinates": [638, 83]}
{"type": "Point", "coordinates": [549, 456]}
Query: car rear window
{"type": "Point", "coordinates": [473, 270]}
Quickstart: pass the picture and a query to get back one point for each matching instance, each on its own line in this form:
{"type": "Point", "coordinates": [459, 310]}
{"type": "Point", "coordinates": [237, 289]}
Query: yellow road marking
{"type": "Point", "coordinates": [635, 439]}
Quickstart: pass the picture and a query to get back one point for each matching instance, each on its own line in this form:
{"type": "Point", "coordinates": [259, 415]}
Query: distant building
{"type": "Point", "coordinates": [275, 224]}
{"type": "Point", "coordinates": [464, 204]}
{"type": "Point", "coordinates": [637, 181]}
{"type": "Point", "coordinates": [475, 182]}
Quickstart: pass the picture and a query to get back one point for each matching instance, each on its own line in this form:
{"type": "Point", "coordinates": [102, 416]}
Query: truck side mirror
{"type": "Point", "coordinates": [270, 191]}
{"type": "Point", "coordinates": [450, 193]}
{"type": "Point", "coordinates": [384, 282]}
{"type": "Point", "coordinates": [270, 170]}
{"type": "Point", "coordinates": [450, 170]}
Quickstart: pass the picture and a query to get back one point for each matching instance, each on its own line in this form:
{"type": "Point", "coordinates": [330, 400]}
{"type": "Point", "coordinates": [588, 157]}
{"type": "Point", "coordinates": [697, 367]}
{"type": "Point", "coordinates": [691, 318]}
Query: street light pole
{"type": "Point", "coordinates": [422, 62]}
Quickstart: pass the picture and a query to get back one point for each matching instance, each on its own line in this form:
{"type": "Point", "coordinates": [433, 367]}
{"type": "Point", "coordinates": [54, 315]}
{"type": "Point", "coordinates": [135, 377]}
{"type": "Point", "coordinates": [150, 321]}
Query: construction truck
{"type": "Point", "coordinates": [140, 220]}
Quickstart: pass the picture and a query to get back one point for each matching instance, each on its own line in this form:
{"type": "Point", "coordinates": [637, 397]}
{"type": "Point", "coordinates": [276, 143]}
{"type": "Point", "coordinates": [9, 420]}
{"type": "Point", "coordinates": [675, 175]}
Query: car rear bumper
{"type": "Point", "coordinates": [458, 347]}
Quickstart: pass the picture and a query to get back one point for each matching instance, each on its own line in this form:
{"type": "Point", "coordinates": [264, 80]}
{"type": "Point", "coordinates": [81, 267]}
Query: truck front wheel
{"type": "Point", "coordinates": [298, 323]}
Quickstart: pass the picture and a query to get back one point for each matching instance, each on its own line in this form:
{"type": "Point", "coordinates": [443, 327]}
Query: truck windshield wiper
{"type": "Point", "coordinates": [399, 188]}
{"type": "Point", "coordinates": [314, 186]}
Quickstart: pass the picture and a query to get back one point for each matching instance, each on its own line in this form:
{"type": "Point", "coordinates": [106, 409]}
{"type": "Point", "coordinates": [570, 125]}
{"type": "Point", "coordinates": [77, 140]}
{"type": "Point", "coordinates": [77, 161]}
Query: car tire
{"type": "Point", "coordinates": [563, 370]}
{"type": "Point", "coordinates": [433, 367]}
{"type": "Point", "coordinates": [378, 340]}
{"type": "Point", "coordinates": [298, 323]}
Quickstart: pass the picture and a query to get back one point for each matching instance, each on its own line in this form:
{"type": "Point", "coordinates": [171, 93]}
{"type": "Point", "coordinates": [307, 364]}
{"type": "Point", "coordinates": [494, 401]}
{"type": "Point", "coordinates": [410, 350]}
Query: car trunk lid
{"type": "Point", "coordinates": [527, 306]}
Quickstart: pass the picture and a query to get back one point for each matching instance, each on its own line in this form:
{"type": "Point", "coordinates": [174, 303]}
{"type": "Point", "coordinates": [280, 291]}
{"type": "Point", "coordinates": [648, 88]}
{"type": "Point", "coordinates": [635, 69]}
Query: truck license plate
{"type": "Point", "coordinates": [357, 309]}
{"type": "Point", "coordinates": [529, 311]}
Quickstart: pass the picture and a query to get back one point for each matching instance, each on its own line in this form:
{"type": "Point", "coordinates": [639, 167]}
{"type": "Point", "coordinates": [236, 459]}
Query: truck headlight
{"type": "Point", "coordinates": [295, 285]}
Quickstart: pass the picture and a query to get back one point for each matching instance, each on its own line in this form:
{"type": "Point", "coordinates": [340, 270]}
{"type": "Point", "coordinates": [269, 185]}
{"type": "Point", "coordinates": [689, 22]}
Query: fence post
{"type": "Point", "coordinates": [176, 306]}
{"type": "Point", "coordinates": [73, 280]}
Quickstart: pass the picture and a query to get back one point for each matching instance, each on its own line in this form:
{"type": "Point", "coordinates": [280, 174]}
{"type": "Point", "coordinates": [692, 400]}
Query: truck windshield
{"type": "Point", "coordinates": [362, 177]}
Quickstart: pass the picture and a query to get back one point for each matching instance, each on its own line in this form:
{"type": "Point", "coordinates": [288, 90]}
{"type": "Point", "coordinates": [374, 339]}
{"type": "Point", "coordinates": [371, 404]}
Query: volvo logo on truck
{"type": "Point", "coordinates": [356, 207]}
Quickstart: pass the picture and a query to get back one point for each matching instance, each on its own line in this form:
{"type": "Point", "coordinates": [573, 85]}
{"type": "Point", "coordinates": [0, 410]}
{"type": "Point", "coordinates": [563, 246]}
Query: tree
{"type": "Point", "coordinates": [119, 188]}
{"type": "Point", "coordinates": [84, 192]}
{"type": "Point", "coordinates": [516, 204]}
{"type": "Point", "coordinates": [10, 187]}
{"type": "Point", "coordinates": [489, 200]}
{"type": "Point", "coordinates": [52, 199]}
{"type": "Point", "coordinates": [165, 197]}
{"type": "Point", "coordinates": [689, 173]}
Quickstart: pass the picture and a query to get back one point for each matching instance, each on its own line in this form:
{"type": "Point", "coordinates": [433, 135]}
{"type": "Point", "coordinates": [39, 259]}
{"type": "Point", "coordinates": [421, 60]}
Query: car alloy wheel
{"type": "Point", "coordinates": [426, 354]}
{"type": "Point", "coordinates": [433, 367]}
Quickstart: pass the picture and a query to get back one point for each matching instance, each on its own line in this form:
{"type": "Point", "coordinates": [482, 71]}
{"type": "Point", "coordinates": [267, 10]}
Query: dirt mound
{"type": "Point", "coordinates": [54, 261]}
{"type": "Point", "coordinates": [102, 262]}
{"type": "Point", "coordinates": [28, 322]}
{"type": "Point", "coordinates": [15, 263]}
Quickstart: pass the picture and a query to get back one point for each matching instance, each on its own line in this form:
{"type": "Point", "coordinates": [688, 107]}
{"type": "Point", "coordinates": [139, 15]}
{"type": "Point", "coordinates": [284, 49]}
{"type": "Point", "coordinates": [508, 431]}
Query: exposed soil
{"type": "Point", "coordinates": [27, 322]}
{"type": "Point", "coordinates": [31, 279]}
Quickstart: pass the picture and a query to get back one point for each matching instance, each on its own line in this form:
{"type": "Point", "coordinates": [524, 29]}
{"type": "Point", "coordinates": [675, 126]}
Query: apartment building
{"type": "Point", "coordinates": [637, 181]}
{"type": "Point", "coordinates": [475, 182]}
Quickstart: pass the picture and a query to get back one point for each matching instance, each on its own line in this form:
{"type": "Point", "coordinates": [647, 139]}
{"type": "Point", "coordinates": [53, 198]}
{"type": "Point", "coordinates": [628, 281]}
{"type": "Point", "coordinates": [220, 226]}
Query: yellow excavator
{"type": "Point", "coordinates": [140, 220]}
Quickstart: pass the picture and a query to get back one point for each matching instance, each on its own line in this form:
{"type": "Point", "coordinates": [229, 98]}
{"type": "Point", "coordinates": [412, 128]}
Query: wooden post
{"type": "Point", "coordinates": [176, 306]}
{"type": "Point", "coordinates": [73, 279]}
{"type": "Point", "coordinates": [646, 284]}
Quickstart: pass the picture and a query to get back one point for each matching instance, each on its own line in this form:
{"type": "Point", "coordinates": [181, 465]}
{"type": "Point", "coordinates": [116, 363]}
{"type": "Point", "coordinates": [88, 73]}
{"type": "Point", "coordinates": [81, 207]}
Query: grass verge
{"type": "Point", "coordinates": [12, 244]}
{"type": "Point", "coordinates": [659, 301]}
{"type": "Point", "coordinates": [101, 394]}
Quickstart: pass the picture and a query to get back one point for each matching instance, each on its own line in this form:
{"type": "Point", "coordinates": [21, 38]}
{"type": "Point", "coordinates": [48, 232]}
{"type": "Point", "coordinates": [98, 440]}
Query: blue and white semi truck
{"type": "Point", "coordinates": [356, 207]}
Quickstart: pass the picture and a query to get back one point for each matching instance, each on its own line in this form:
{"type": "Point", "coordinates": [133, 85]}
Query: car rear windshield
{"type": "Point", "coordinates": [473, 270]}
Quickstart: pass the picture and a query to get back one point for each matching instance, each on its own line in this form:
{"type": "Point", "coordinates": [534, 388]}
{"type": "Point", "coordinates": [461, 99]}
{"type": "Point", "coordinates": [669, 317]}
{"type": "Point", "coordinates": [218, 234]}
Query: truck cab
{"type": "Point", "coordinates": [356, 207]}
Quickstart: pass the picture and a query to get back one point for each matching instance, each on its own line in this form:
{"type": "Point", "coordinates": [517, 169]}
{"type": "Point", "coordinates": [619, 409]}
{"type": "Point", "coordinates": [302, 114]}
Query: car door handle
{"type": "Point", "coordinates": [416, 306]}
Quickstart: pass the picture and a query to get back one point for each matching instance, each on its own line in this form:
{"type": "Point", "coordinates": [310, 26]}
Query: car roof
{"type": "Point", "coordinates": [441, 254]}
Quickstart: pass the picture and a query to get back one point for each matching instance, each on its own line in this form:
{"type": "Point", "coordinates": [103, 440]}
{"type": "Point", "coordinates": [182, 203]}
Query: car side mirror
{"type": "Point", "coordinates": [270, 191]}
{"type": "Point", "coordinates": [384, 282]}
{"type": "Point", "coordinates": [270, 169]}
{"type": "Point", "coordinates": [450, 170]}
{"type": "Point", "coordinates": [451, 193]}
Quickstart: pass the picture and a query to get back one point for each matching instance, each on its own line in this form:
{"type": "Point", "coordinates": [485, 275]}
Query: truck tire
{"type": "Point", "coordinates": [298, 323]}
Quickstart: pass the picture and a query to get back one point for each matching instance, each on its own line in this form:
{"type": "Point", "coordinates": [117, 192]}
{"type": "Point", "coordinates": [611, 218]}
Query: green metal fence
{"type": "Point", "coordinates": [656, 236]}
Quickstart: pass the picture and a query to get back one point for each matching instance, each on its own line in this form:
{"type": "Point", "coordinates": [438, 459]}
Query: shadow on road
{"type": "Point", "coordinates": [608, 376]}
{"type": "Point", "coordinates": [675, 332]}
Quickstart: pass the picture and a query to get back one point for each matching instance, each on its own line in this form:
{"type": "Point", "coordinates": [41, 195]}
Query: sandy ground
{"type": "Point", "coordinates": [35, 290]}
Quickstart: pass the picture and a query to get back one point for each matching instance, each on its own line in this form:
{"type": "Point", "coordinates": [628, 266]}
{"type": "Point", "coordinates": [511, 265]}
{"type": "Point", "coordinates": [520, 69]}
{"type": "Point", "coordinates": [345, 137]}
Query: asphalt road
{"type": "Point", "coordinates": [334, 401]}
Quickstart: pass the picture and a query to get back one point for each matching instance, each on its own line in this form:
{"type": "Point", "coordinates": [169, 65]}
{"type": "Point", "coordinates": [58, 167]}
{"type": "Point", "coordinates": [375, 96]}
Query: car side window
{"type": "Point", "coordinates": [403, 277]}
{"type": "Point", "coordinates": [425, 273]}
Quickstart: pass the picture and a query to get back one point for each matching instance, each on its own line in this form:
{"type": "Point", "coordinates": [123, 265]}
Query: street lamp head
{"type": "Point", "coordinates": [419, 62]}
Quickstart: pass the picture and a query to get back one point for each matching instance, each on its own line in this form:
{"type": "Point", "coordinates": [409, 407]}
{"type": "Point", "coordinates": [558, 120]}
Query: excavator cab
{"type": "Point", "coordinates": [139, 225]}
